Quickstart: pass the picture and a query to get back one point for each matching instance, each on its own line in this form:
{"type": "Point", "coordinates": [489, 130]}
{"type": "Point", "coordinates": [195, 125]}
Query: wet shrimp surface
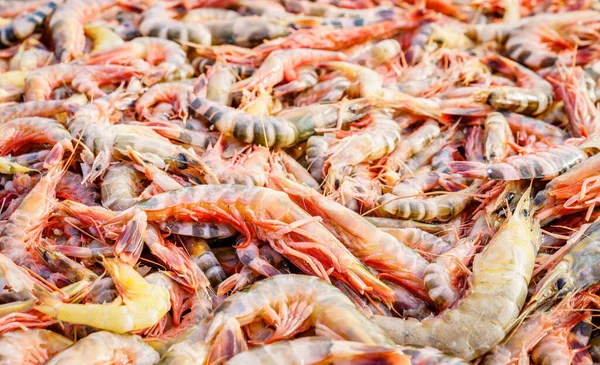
{"type": "Point", "coordinates": [299, 181]}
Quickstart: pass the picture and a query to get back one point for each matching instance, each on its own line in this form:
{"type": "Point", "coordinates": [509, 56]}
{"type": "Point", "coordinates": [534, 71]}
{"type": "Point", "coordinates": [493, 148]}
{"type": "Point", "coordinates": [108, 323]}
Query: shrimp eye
{"type": "Point", "coordinates": [560, 283]}
{"type": "Point", "coordinates": [352, 109]}
{"type": "Point", "coordinates": [525, 212]}
{"type": "Point", "coordinates": [510, 197]}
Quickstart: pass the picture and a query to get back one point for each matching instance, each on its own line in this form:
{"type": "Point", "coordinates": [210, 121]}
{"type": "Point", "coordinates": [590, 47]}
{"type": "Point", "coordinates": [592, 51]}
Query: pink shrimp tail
{"type": "Point", "coordinates": [469, 169]}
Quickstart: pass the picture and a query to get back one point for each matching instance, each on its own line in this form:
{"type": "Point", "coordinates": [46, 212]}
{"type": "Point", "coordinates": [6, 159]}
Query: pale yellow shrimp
{"type": "Point", "coordinates": [120, 187]}
{"type": "Point", "coordinates": [67, 26]}
{"type": "Point", "coordinates": [378, 54]}
{"type": "Point", "coordinates": [45, 108]}
{"type": "Point", "coordinates": [31, 346]}
{"type": "Point", "coordinates": [12, 85]}
{"type": "Point", "coordinates": [158, 23]}
{"type": "Point", "coordinates": [370, 83]}
{"type": "Point", "coordinates": [497, 138]}
{"type": "Point", "coordinates": [292, 303]}
{"type": "Point", "coordinates": [104, 348]}
{"type": "Point", "coordinates": [478, 322]}
{"type": "Point", "coordinates": [104, 38]}
{"type": "Point", "coordinates": [138, 306]}
{"type": "Point", "coordinates": [31, 59]}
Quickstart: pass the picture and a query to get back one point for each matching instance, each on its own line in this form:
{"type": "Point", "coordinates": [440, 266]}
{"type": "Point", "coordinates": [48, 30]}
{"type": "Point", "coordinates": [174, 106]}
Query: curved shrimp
{"type": "Point", "coordinates": [482, 318]}
{"type": "Point", "coordinates": [292, 303]}
{"type": "Point", "coordinates": [287, 129]}
{"type": "Point", "coordinates": [220, 79]}
{"type": "Point", "coordinates": [281, 63]}
{"type": "Point", "coordinates": [542, 129]}
{"type": "Point", "coordinates": [497, 138]}
{"type": "Point", "coordinates": [533, 96]}
{"type": "Point", "coordinates": [86, 79]}
{"type": "Point", "coordinates": [32, 59]}
{"type": "Point", "coordinates": [67, 26]}
{"type": "Point", "coordinates": [36, 346]}
{"type": "Point", "coordinates": [120, 186]}
{"type": "Point", "coordinates": [373, 246]}
{"type": "Point", "coordinates": [24, 25]}
{"type": "Point", "coordinates": [158, 23]}
{"type": "Point", "coordinates": [307, 77]}
{"type": "Point", "coordinates": [440, 208]}
{"type": "Point", "coordinates": [538, 165]}
{"type": "Point", "coordinates": [167, 56]}
{"type": "Point", "coordinates": [105, 347]}
{"type": "Point", "coordinates": [104, 38]}
{"type": "Point", "coordinates": [138, 306]}
{"type": "Point", "coordinates": [272, 217]}
{"type": "Point", "coordinates": [179, 94]}
{"type": "Point", "coordinates": [22, 132]}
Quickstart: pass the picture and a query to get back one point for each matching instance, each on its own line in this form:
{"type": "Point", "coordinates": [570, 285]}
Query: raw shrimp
{"type": "Point", "coordinates": [120, 187]}
{"type": "Point", "coordinates": [301, 301]}
{"type": "Point", "coordinates": [373, 246]}
{"type": "Point", "coordinates": [534, 96]}
{"type": "Point", "coordinates": [31, 346]}
{"type": "Point", "coordinates": [158, 23]}
{"type": "Point", "coordinates": [417, 184]}
{"type": "Point", "coordinates": [46, 108]}
{"type": "Point", "coordinates": [328, 90]}
{"type": "Point", "coordinates": [205, 259]}
{"type": "Point", "coordinates": [307, 77]}
{"type": "Point", "coordinates": [247, 31]}
{"type": "Point", "coordinates": [31, 59]}
{"type": "Point", "coordinates": [208, 14]}
{"type": "Point", "coordinates": [316, 154]}
{"type": "Point", "coordinates": [426, 244]}
{"type": "Point", "coordinates": [440, 208]}
{"type": "Point", "coordinates": [272, 217]}
{"type": "Point", "coordinates": [370, 83]}
{"type": "Point", "coordinates": [317, 350]}
{"type": "Point", "coordinates": [497, 138]}
{"type": "Point", "coordinates": [40, 83]}
{"type": "Point", "coordinates": [22, 132]}
{"type": "Point", "coordinates": [538, 165]}
{"type": "Point", "coordinates": [166, 55]}
{"type": "Point", "coordinates": [67, 26]}
{"type": "Point", "coordinates": [482, 318]}
{"type": "Point", "coordinates": [179, 94]}
{"type": "Point", "coordinates": [378, 54]}
{"type": "Point", "coordinates": [138, 306]}
{"type": "Point", "coordinates": [24, 25]}
{"type": "Point", "coordinates": [105, 347]}
{"type": "Point", "coordinates": [104, 38]}
{"type": "Point", "coordinates": [206, 230]}
{"type": "Point", "coordinates": [285, 130]}
{"type": "Point", "coordinates": [281, 63]}
{"type": "Point", "coordinates": [525, 126]}
{"type": "Point", "coordinates": [220, 81]}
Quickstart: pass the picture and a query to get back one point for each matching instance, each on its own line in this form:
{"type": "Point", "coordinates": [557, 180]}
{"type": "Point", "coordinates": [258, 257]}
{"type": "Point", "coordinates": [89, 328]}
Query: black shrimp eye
{"type": "Point", "coordinates": [352, 109]}
{"type": "Point", "coordinates": [510, 197]}
{"type": "Point", "coordinates": [525, 212]}
{"type": "Point", "coordinates": [560, 283]}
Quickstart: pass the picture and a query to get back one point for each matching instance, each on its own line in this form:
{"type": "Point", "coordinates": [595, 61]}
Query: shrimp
{"type": "Point", "coordinates": [440, 208]}
{"type": "Point", "coordinates": [26, 222]}
{"type": "Point", "coordinates": [272, 217]}
{"type": "Point", "coordinates": [168, 57]}
{"type": "Point", "coordinates": [206, 230]}
{"type": "Point", "coordinates": [205, 259]}
{"type": "Point", "coordinates": [427, 244]}
{"type": "Point", "coordinates": [317, 350]}
{"type": "Point", "coordinates": [527, 44]}
{"type": "Point", "coordinates": [249, 171]}
{"type": "Point", "coordinates": [120, 187]}
{"type": "Point", "coordinates": [40, 83]}
{"type": "Point", "coordinates": [220, 80]}
{"type": "Point", "coordinates": [31, 59]}
{"type": "Point", "coordinates": [441, 275]}
{"type": "Point", "coordinates": [158, 23]}
{"type": "Point", "coordinates": [307, 77]}
{"type": "Point", "coordinates": [105, 347]}
{"type": "Point", "coordinates": [139, 305]}
{"type": "Point", "coordinates": [208, 14]}
{"type": "Point", "coordinates": [297, 171]}
{"type": "Point", "coordinates": [280, 64]}
{"type": "Point", "coordinates": [46, 108]}
{"type": "Point", "coordinates": [378, 54]}
{"type": "Point", "coordinates": [372, 143]}
{"type": "Point", "coordinates": [370, 83]}
{"type": "Point", "coordinates": [24, 26]}
{"type": "Point", "coordinates": [417, 185]}
{"type": "Point", "coordinates": [67, 26]}
{"type": "Point", "coordinates": [542, 130]}
{"type": "Point", "coordinates": [301, 301]}
{"type": "Point", "coordinates": [407, 148]}
{"type": "Point", "coordinates": [534, 96]}
{"type": "Point", "coordinates": [287, 129]}
{"type": "Point", "coordinates": [538, 165]}
{"type": "Point", "coordinates": [32, 346]}
{"type": "Point", "coordinates": [327, 90]}
{"type": "Point", "coordinates": [104, 38]}
{"type": "Point", "coordinates": [497, 138]}
{"type": "Point", "coordinates": [482, 318]}
{"type": "Point", "coordinates": [373, 246]}
{"type": "Point", "coordinates": [72, 187]}
{"type": "Point", "coordinates": [179, 94]}
{"type": "Point", "coordinates": [316, 154]}
{"type": "Point", "coordinates": [247, 31]}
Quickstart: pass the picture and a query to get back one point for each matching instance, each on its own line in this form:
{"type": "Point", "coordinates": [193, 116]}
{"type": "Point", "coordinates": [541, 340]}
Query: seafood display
{"type": "Point", "coordinates": [211, 182]}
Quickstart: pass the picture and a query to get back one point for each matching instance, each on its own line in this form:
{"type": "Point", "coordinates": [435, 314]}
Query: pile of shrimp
{"type": "Point", "coordinates": [299, 182]}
